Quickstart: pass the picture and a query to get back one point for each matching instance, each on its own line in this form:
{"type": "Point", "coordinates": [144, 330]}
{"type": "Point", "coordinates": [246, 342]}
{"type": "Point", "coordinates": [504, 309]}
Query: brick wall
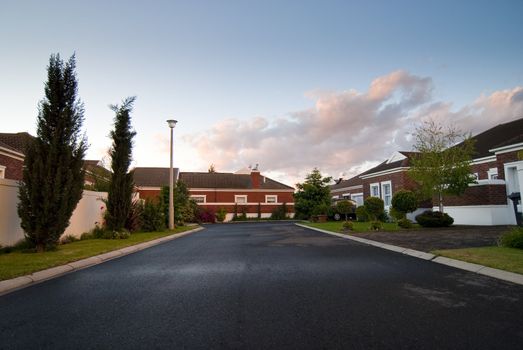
{"type": "Point", "coordinates": [505, 158]}
{"type": "Point", "coordinates": [482, 169]}
{"type": "Point", "coordinates": [13, 167]}
{"type": "Point", "coordinates": [478, 195]}
{"type": "Point", "coordinates": [399, 181]}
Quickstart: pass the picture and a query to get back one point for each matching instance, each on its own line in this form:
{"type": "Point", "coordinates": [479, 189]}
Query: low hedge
{"type": "Point", "coordinates": [434, 219]}
{"type": "Point", "coordinates": [513, 238]}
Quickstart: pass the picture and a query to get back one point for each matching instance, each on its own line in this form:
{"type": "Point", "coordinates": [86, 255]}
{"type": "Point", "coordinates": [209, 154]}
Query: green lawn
{"type": "Point", "coordinates": [508, 259]}
{"type": "Point", "coordinates": [336, 226]}
{"type": "Point", "coordinates": [19, 263]}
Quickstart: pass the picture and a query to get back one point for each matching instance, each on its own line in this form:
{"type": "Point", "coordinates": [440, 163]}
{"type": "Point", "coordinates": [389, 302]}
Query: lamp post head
{"type": "Point", "coordinates": [172, 123]}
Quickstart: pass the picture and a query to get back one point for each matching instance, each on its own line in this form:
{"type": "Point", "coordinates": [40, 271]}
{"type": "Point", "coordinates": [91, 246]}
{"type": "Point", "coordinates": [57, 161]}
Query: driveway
{"type": "Point", "coordinates": [264, 286]}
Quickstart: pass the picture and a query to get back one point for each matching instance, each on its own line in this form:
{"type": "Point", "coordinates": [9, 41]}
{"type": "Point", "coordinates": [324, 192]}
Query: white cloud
{"type": "Point", "coordinates": [344, 132]}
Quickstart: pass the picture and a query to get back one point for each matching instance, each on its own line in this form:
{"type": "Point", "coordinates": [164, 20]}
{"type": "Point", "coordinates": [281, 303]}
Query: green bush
{"type": "Point", "coordinates": [403, 202]}
{"type": "Point", "coordinates": [434, 219]}
{"type": "Point", "coordinates": [376, 225]}
{"type": "Point", "coordinates": [153, 218]}
{"type": "Point", "coordinates": [221, 214]}
{"type": "Point", "coordinates": [133, 222]}
{"type": "Point", "coordinates": [513, 238]}
{"type": "Point", "coordinates": [280, 212]}
{"type": "Point", "coordinates": [348, 225]}
{"type": "Point", "coordinates": [404, 223]}
{"type": "Point", "coordinates": [361, 214]}
{"type": "Point", "coordinates": [397, 215]}
{"type": "Point", "coordinates": [345, 208]}
{"type": "Point", "coordinates": [68, 239]}
{"type": "Point", "coordinates": [321, 209]}
{"type": "Point", "coordinates": [374, 207]}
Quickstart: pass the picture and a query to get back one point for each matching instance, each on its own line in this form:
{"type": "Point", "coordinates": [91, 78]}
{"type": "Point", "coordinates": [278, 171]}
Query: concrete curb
{"type": "Point", "coordinates": [16, 283]}
{"type": "Point", "coordinates": [458, 264]}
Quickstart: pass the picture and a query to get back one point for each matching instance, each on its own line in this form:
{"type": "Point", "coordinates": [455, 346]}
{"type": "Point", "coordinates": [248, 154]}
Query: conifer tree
{"type": "Point", "coordinates": [121, 186]}
{"type": "Point", "coordinates": [53, 175]}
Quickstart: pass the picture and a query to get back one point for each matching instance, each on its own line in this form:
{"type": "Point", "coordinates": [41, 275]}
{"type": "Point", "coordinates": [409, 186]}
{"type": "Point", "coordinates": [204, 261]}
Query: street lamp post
{"type": "Point", "coordinates": [172, 124]}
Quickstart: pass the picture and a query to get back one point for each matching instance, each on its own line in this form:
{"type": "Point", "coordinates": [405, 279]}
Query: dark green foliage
{"type": "Point", "coordinates": [434, 219]}
{"type": "Point", "coordinates": [184, 207]}
{"type": "Point", "coordinates": [121, 185]}
{"type": "Point", "coordinates": [403, 202]}
{"type": "Point", "coordinates": [345, 208]}
{"type": "Point", "coordinates": [134, 219]}
{"type": "Point", "coordinates": [243, 213]}
{"type": "Point", "coordinates": [53, 177]}
{"type": "Point", "coordinates": [374, 207]}
{"type": "Point", "coordinates": [361, 214]}
{"type": "Point", "coordinates": [321, 209]}
{"type": "Point", "coordinates": [513, 238]}
{"type": "Point", "coordinates": [153, 217]}
{"type": "Point", "coordinates": [376, 225]}
{"type": "Point", "coordinates": [396, 214]}
{"type": "Point", "coordinates": [404, 223]}
{"type": "Point", "coordinates": [312, 193]}
{"type": "Point", "coordinates": [280, 212]}
{"type": "Point", "coordinates": [221, 214]}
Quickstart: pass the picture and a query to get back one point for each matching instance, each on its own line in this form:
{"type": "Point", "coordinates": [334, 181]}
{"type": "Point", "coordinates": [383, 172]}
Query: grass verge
{"type": "Point", "coordinates": [336, 226]}
{"type": "Point", "coordinates": [18, 263]}
{"type": "Point", "coordinates": [508, 259]}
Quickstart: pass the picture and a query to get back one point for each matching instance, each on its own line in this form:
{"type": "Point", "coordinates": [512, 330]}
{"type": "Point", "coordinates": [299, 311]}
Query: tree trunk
{"type": "Point", "coordinates": [440, 202]}
{"type": "Point", "coordinates": [40, 248]}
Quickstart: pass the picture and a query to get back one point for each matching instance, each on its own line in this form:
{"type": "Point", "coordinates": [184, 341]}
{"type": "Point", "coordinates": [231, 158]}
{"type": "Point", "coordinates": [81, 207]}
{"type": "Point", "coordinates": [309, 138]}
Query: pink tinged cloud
{"type": "Point", "coordinates": [346, 132]}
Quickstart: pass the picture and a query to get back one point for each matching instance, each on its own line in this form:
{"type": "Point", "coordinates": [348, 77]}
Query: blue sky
{"type": "Point", "coordinates": [243, 70]}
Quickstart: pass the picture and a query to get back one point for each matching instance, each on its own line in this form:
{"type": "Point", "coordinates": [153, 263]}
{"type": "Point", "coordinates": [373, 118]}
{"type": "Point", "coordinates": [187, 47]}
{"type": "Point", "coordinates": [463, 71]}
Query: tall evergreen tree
{"type": "Point", "coordinates": [121, 186]}
{"type": "Point", "coordinates": [53, 175]}
{"type": "Point", "coordinates": [312, 193]}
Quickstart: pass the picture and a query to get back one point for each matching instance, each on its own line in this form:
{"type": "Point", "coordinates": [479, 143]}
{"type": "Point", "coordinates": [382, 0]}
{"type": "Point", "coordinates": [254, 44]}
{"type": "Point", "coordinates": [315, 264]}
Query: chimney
{"type": "Point", "coordinates": [255, 177]}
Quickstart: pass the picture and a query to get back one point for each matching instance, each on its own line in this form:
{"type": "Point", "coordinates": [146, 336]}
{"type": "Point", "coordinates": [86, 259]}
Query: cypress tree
{"type": "Point", "coordinates": [121, 186]}
{"type": "Point", "coordinates": [53, 175]}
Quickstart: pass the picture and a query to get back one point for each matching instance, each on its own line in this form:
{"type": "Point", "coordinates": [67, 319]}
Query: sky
{"type": "Point", "coordinates": [289, 85]}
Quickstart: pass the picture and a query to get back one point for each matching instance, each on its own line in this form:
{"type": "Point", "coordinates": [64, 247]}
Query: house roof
{"type": "Point", "coordinates": [93, 166]}
{"type": "Point", "coordinates": [9, 148]}
{"type": "Point", "coordinates": [158, 177]}
{"type": "Point", "coordinates": [353, 181]}
{"type": "Point", "coordinates": [18, 141]}
{"type": "Point", "coordinates": [498, 136]}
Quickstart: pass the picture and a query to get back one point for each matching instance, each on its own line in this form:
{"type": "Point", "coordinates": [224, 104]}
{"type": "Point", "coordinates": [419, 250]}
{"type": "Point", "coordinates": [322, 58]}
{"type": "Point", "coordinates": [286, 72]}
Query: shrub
{"type": "Point", "coordinates": [280, 212]}
{"type": "Point", "coordinates": [404, 223]}
{"type": "Point", "coordinates": [434, 219]}
{"type": "Point", "coordinates": [153, 218]}
{"type": "Point", "coordinates": [133, 222]}
{"type": "Point", "coordinates": [206, 215]}
{"type": "Point", "coordinates": [361, 214]}
{"type": "Point", "coordinates": [221, 214]}
{"type": "Point", "coordinates": [345, 208]}
{"type": "Point", "coordinates": [374, 207]}
{"type": "Point", "coordinates": [396, 214]}
{"type": "Point", "coordinates": [376, 225]}
{"type": "Point", "coordinates": [403, 202]}
{"type": "Point", "coordinates": [321, 209]}
{"type": "Point", "coordinates": [97, 232]}
{"type": "Point", "coordinates": [348, 225]}
{"type": "Point", "coordinates": [68, 239]}
{"type": "Point", "coordinates": [513, 238]}
{"type": "Point", "coordinates": [87, 235]}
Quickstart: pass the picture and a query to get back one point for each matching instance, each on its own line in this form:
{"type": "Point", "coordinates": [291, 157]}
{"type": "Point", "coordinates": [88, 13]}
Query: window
{"type": "Point", "coordinates": [240, 199]}
{"type": "Point", "coordinates": [199, 199]}
{"type": "Point", "coordinates": [2, 172]}
{"type": "Point", "coordinates": [346, 196]}
{"type": "Point", "coordinates": [271, 199]}
{"type": "Point", "coordinates": [375, 190]}
{"type": "Point", "coordinates": [386, 191]}
{"type": "Point", "coordinates": [493, 173]}
{"type": "Point", "coordinates": [358, 198]}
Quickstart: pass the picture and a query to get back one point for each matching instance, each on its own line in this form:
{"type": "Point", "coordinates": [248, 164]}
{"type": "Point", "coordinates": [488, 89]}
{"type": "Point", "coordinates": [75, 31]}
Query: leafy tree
{"type": "Point", "coordinates": [53, 177]}
{"type": "Point", "coordinates": [119, 199]}
{"type": "Point", "coordinates": [312, 193]}
{"type": "Point", "coordinates": [403, 202]}
{"type": "Point", "coordinates": [212, 169]}
{"type": "Point", "coordinates": [345, 207]}
{"type": "Point", "coordinates": [442, 166]}
{"type": "Point", "coordinates": [374, 207]}
{"type": "Point", "coordinates": [183, 205]}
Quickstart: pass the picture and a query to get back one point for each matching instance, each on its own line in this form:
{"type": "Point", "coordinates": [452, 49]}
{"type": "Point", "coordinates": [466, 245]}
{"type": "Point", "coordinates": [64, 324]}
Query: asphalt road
{"type": "Point", "coordinates": [264, 286]}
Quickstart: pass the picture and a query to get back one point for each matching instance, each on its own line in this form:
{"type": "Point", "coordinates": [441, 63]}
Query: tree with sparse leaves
{"type": "Point", "coordinates": [442, 164]}
{"type": "Point", "coordinates": [53, 177]}
{"type": "Point", "coordinates": [119, 199]}
{"type": "Point", "coordinates": [212, 169]}
{"type": "Point", "coordinates": [312, 193]}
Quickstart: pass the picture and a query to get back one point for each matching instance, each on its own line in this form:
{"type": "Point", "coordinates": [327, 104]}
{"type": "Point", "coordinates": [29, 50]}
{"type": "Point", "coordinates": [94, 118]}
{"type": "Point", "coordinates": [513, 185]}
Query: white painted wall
{"type": "Point", "coordinates": [87, 213]}
{"type": "Point", "coordinates": [481, 214]}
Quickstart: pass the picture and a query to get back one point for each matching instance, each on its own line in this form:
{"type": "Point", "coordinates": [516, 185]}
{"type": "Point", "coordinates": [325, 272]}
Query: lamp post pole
{"type": "Point", "coordinates": [172, 124]}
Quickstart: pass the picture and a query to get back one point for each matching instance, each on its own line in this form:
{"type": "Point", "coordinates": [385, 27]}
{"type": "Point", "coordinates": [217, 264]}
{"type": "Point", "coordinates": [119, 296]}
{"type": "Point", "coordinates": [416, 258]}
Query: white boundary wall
{"type": "Point", "coordinates": [88, 212]}
{"type": "Point", "coordinates": [481, 214]}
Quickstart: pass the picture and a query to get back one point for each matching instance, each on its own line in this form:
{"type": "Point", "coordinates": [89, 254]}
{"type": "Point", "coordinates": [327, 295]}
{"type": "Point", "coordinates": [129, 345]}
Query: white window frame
{"type": "Point", "coordinates": [493, 174]}
{"type": "Point", "coordinates": [237, 196]}
{"type": "Point", "coordinates": [375, 185]}
{"type": "Point", "coordinates": [356, 199]}
{"type": "Point", "coordinates": [2, 171]}
{"type": "Point", "coordinates": [383, 184]}
{"type": "Point", "coordinates": [203, 196]}
{"type": "Point", "coordinates": [275, 196]}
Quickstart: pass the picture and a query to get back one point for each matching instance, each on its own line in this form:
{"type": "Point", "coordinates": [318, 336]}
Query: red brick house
{"type": "Point", "coordinates": [497, 164]}
{"type": "Point", "coordinates": [12, 152]}
{"type": "Point", "coordinates": [248, 191]}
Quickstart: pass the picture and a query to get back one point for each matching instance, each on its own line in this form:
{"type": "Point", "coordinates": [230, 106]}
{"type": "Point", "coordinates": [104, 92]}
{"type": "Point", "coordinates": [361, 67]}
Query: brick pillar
{"type": "Point", "coordinates": [255, 178]}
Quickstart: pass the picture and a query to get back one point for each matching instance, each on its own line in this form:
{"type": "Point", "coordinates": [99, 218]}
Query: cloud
{"type": "Point", "coordinates": [345, 132]}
